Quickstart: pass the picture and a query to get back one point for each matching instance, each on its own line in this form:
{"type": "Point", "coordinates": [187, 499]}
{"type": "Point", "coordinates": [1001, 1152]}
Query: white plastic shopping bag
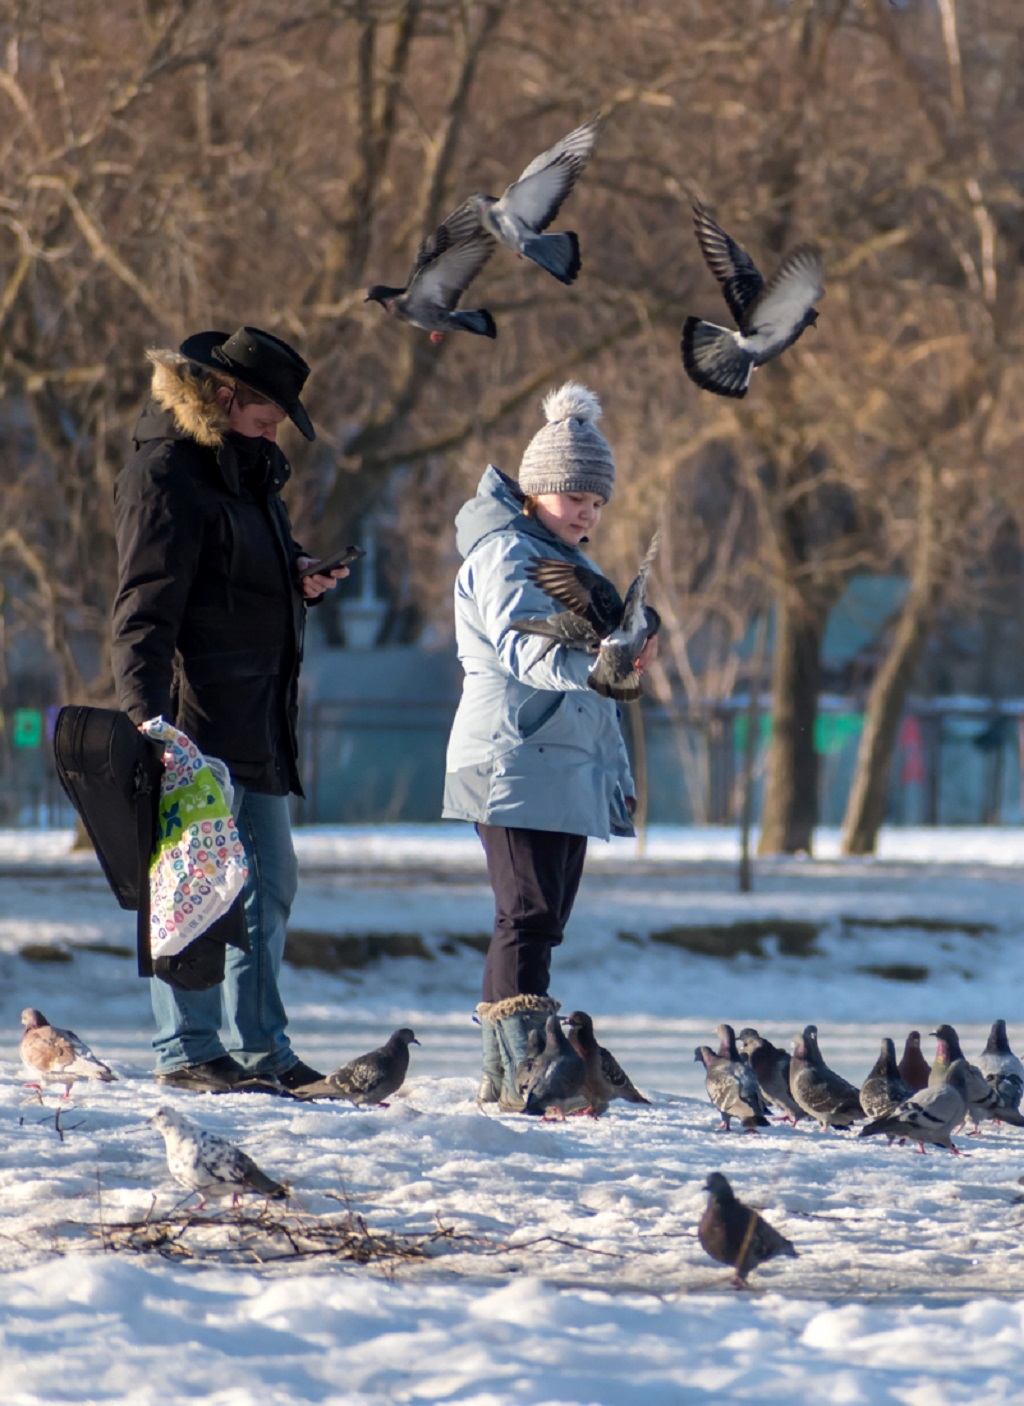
{"type": "Point", "coordinates": [198, 866]}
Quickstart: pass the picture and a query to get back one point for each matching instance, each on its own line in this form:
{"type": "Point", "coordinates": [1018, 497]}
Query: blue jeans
{"type": "Point", "coordinates": [247, 1002]}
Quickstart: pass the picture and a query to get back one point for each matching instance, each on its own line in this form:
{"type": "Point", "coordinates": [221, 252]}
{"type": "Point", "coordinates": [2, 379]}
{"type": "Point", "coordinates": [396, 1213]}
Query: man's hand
{"type": "Point", "coordinates": [313, 586]}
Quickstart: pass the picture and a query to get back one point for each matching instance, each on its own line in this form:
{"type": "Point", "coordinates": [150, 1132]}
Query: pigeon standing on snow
{"type": "Point", "coordinates": [597, 619]}
{"type": "Point", "coordinates": [530, 204]}
{"type": "Point", "coordinates": [735, 1234]}
{"type": "Point", "coordinates": [556, 1085]}
{"type": "Point", "coordinates": [983, 1100]}
{"type": "Point", "coordinates": [771, 1067]}
{"type": "Point", "coordinates": [605, 1077]}
{"type": "Point", "coordinates": [57, 1056]}
{"type": "Point", "coordinates": [929, 1115]}
{"type": "Point", "coordinates": [372, 1078]}
{"type": "Point", "coordinates": [1001, 1067]}
{"type": "Point", "coordinates": [818, 1090]}
{"type": "Point", "coordinates": [207, 1164]}
{"type": "Point", "coordinates": [446, 264]}
{"type": "Point", "coordinates": [913, 1067]}
{"type": "Point", "coordinates": [733, 1089]}
{"type": "Point", "coordinates": [883, 1090]}
{"type": "Point", "coordinates": [771, 316]}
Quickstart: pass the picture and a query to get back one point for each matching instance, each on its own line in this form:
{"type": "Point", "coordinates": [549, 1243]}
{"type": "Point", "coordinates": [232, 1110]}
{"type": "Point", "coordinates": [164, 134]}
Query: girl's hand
{"type": "Point", "coordinates": [647, 656]}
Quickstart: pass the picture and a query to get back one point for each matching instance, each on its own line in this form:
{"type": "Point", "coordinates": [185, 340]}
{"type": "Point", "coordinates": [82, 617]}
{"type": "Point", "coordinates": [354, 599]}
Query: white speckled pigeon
{"type": "Point", "coordinates": [818, 1090]}
{"type": "Point", "coordinates": [57, 1056]}
{"type": "Point", "coordinates": [529, 205]}
{"type": "Point", "coordinates": [597, 620]}
{"type": "Point", "coordinates": [771, 316]}
{"type": "Point", "coordinates": [884, 1089]}
{"type": "Point", "coordinates": [446, 264]}
{"type": "Point", "coordinates": [737, 1235]}
{"type": "Point", "coordinates": [210, 1165]}
{"type": "Point", "coordinates": [929, 1115]}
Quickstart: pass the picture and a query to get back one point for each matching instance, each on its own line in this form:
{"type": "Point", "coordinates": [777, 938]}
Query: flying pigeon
{"type": "Point", "coordinates": [446, 264]}
{"type": "Point", "coordinates": [529, 205]}
{"type": "Point", "coordinates": [771, 1066]}
{"type": "Point", "coordinates": [883, 1090]}
{"type": "Point", "coordinates": [556, 1085]}
{"type": "Point", "coordinates": [605, 1077]}
{"type": "Point", "coordinates": [57, 1056]}
{"type": "Point", "coordinates": [771, 316]}
{"type": "Point", "coordinates": [733, 1089]}
{"type": "Point", "coordinates": [524, 1069]}
{"type": "Point", "coordinates": [983, 1100]}
{"type": "Point", "coordinates": [736, 1235]}
{"type": "Point", "coordinates": [1001, 1067]}
{"type": "Point", "coordinates": [597, 619]}
{"type": "Point", "coordinates": [210, 1165]}
{"type": "Point", "coordinates": [372, 1078]}
{"type": "Point", "coordinates": [818, 1090]}
{"type": "Point", "coordinates": [929, 1115]}
{"type": "Point", "coordinates": [913, 1067]}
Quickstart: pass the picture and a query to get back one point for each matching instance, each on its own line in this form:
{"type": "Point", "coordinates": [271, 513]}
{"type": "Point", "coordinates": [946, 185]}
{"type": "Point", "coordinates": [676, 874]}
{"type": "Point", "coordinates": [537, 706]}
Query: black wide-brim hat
{"type": "Point", "coordinates": [260, 361]}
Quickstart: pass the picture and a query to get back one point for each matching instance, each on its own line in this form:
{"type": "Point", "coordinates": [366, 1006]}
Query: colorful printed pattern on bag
{"type": "Point", "coordinates": [198, 867]}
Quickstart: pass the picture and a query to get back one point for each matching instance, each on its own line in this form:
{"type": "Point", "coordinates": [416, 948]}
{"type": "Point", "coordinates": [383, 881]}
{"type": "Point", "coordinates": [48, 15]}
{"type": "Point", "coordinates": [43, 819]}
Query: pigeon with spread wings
{"type": "Point", "coordinates": [446, 264]}
{"type": "Point", "coordinates": [518, 217]}
{"type": "Point", "coordinates": [770, 316]}
{"type": "Point", "coordinates": [597, 619]}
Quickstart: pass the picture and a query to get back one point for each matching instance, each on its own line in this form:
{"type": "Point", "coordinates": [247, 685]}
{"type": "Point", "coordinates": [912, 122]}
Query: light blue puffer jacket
{"type": "Point", "coordinates": [531, 746]}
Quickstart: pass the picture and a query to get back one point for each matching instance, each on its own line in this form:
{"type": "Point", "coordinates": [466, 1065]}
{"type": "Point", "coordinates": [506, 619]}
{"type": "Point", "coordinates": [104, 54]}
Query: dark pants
{"type": "Point", "coordinates": [535, 875]}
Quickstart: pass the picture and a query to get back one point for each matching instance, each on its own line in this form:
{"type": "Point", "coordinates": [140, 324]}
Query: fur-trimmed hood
{"type": "Point", "coordinates": [189, 397]}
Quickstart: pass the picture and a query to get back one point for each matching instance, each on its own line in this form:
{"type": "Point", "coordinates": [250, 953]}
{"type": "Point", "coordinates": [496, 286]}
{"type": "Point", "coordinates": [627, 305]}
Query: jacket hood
{"type": "Point", "coordinates": [498, 506]}
{"type": "Point", "coordinates": [188, 398]}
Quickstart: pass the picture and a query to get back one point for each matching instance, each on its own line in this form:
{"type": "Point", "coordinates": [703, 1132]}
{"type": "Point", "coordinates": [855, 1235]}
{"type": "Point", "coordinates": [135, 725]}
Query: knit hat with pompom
{"type": "Point", "coordinates": [570, 454]}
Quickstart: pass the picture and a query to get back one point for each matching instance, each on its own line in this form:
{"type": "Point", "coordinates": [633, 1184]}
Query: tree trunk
{"type": "Point", "coordinates": [865, 808]}
{"type": "Point", "coordinates": [791, 792]}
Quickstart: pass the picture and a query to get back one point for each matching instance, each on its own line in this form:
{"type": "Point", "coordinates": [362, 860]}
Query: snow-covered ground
{"type": "Point", "coordinates": [561, 1264]}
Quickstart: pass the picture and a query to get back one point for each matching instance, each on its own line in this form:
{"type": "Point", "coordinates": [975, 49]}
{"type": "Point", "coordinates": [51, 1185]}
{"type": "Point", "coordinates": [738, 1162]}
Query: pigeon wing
{"type": "Point", "coordinates": [729, 262]}
{"type": "Point", "coordinates": [584, 591]}
{"type": "Point", "coordinates": [441, 282]}
{"type": "Point", "coordinates": [457, 228]}
{"type": "Point", "coordinates": [535, 198]}
{"type": "Point", "coordinates": [713, 358]}
{"type": "Point", "coordinates": [616, 1077]}
{"type": "Point", "coordinates": [563, 628]}
{"type": "Point", "coordinates": [780, 311]}
{"type": "Point", "coordinates": [633, 616]}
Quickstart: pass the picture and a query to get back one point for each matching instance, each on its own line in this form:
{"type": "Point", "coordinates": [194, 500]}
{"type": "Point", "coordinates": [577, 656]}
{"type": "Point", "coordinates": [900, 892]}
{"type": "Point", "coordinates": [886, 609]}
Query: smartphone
{"type": "Point", "coordinates": [326, 565]}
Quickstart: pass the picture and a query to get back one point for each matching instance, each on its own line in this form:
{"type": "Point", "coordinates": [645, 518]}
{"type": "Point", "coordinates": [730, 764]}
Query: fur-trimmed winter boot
{"type": "Point", "coordinates": [514, 1018]}
{"type": "Point", "coordinates": [491, 1077]}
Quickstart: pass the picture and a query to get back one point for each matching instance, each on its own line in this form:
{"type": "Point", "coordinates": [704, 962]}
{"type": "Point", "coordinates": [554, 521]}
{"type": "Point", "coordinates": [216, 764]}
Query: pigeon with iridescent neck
{"type": "Point", "coordinates": [1001, 1067]}
{"type": "Point", "coordinates": [884, 1089]}
{"type": "Point", "coordinates": [819, 1090]}
{"type": "Point", "coordinates": [983, 1101]}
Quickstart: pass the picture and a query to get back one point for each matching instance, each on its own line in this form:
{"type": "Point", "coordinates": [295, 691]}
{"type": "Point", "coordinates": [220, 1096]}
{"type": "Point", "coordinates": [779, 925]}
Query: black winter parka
{"type": "Point", "coordinates": [209, 616]}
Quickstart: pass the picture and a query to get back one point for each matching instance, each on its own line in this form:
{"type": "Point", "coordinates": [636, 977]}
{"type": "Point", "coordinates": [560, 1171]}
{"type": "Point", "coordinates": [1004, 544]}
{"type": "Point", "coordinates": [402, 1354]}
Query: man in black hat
{"type": "Point", "coordinates": [207, 633]}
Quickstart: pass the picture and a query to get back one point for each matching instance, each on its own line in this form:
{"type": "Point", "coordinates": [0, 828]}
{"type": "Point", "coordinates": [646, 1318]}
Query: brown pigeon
{"type": "Point", "coordinates": [57, 1056]}
{"type": "Point", "coordinates": [914, 1068]}
{"type": "Point", "coordinates": [605, 1078]}
{"type": "Point", "coordinates": [736, 1235]}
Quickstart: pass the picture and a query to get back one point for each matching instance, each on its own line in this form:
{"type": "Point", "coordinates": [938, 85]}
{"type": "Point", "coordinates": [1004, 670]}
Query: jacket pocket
{"type": "Point", "coordinates": [537, 712]}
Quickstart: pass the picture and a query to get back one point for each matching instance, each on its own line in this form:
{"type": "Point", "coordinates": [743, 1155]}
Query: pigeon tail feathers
{"type": "Point", "coordinates": [713, 360]}
{"type": "Point", "coordinates": [559, 254]}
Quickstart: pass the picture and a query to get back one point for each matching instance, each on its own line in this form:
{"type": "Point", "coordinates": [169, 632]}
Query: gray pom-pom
{"type": "Point", "coordinates": [572, 402]}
